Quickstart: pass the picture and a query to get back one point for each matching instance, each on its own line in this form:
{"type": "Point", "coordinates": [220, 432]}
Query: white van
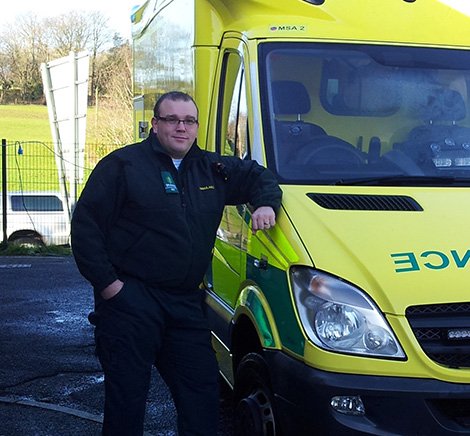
{"type": "Point", "coordinates": [35, 218]}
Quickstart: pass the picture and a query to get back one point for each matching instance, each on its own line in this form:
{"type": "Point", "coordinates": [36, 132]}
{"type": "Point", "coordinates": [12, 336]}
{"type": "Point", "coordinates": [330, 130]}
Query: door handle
{"type": "Point", "coordinates": [261, 263]}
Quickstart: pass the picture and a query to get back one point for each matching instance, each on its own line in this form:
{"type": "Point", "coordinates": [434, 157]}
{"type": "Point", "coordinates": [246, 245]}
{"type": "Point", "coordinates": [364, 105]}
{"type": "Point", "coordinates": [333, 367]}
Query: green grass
{"type": "Point", "coordinates": [24, 123]}
{"type": "Point", "coordinates": [34, 170]}
{"type": "Point", "coordinates": [27, 126]}
{"type": "Point", "coordinates": [30, 250]}
{"type": "Point", "coordinates": [30, 122]}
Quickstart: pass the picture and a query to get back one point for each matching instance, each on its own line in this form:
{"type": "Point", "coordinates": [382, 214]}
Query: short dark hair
{"type": "Point", "coordinates": [172, 95]}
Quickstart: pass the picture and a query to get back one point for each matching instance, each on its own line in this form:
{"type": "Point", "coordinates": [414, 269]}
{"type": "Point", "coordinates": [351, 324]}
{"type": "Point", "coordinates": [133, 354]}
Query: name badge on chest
{"type": "Point", "coordinates": [169, 183]}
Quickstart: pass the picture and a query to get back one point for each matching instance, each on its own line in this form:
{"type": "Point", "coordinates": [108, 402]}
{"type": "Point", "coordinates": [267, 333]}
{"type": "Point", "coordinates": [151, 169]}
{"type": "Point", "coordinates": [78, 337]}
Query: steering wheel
{"type": "Point", "coordinates": [327, 149]}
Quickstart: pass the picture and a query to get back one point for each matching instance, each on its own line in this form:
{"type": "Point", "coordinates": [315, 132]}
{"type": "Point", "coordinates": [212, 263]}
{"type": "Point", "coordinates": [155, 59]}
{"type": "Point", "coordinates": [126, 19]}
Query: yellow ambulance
{"type": "Point", "coordinates": [351, 315]}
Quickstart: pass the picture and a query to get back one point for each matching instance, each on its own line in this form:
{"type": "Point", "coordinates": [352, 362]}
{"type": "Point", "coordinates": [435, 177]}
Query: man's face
{"type": "Point", "coordinates": [176, 138]}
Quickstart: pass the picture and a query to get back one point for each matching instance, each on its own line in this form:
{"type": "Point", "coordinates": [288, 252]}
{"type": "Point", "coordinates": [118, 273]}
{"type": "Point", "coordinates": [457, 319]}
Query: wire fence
{"type": "Point", "coordinates": [37, 194]}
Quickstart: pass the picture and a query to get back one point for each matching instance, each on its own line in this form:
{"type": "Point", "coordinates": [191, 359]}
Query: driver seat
{"type": "Point", "coordinates": [290, 98]}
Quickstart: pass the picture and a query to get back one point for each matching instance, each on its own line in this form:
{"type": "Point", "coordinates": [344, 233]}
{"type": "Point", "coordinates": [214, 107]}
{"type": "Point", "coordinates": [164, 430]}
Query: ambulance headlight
{"type": "Point", "coordinates": [339, 317]}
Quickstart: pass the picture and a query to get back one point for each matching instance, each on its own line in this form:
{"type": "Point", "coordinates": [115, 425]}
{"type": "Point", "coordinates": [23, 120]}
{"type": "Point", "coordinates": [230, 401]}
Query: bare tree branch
{"type": "Point", "coordinates": [32, 41]}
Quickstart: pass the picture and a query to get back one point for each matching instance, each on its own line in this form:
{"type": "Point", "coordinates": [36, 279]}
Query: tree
{"type": "Point", "coordinates": [114, 85]}
{"type": "Point", "coordinates": [100, 37]}
{"type": "Point", "coordinates": [78, 31]}
{"type": "Point", "coordinates": [67, 32]}
{"type": "Point", "coordinates": [32, 41]}
{"type": "Point", "coordinates": [23, 49]}
{"type": "Point", "coordinates": [6, 79]}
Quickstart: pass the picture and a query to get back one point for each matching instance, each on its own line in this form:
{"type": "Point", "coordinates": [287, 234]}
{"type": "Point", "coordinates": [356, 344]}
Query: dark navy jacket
{"type": "Point", "coordinates": [138, 216]}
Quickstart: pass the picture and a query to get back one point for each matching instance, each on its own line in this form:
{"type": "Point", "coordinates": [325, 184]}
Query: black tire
{"type": "Point", "coordinates": [254, 405]}
{"type": "Point", "coordinates": [28, 241]}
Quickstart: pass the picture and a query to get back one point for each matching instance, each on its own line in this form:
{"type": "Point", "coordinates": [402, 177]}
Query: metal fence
{"type": "Point", "coordinates": [36, 196]}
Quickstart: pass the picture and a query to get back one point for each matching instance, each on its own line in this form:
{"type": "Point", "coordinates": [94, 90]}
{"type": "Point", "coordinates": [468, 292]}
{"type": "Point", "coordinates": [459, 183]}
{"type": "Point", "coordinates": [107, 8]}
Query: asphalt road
{"type": "Point", "coordinates": [51, 383]}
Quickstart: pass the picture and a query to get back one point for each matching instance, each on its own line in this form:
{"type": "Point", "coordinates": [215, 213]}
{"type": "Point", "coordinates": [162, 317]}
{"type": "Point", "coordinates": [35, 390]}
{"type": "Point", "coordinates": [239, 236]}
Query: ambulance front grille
{"type": "Point", "coordinates": [457, 410]}
{"type": "Point", "coordinates": [443, 332]}
{"type": "Point", "coordinates": [366, 202]}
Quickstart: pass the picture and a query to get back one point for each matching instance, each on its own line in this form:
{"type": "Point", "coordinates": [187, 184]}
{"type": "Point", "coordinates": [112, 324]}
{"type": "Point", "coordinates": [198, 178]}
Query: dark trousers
{"type": "Point", "coordinates": [141, 327]}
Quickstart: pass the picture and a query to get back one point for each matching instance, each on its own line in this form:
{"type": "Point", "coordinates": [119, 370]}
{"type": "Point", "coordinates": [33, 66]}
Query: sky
{"type": "Point", "coordinates": [118, 11]}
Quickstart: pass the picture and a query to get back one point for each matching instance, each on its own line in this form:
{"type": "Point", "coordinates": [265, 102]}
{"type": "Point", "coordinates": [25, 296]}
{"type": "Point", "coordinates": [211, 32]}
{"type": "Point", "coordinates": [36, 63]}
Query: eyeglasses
{"type": "Point", "coordinates": [176, 121]}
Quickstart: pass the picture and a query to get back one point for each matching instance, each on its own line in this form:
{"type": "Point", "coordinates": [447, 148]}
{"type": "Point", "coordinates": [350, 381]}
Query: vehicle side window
{"type": "Point", "coordinates": [232, 117]}
{"type": "Point", "coordinates": [36, 203]}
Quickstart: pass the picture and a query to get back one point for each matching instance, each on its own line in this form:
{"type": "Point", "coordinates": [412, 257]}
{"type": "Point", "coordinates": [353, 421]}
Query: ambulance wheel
{"type": "Point", "coordinates": [254, 415]}
{"type": "Point", "coordinates": [33, 241]}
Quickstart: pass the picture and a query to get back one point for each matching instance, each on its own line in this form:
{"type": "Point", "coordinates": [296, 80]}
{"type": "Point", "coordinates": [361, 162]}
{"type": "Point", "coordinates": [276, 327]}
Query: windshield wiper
{"type": "Point", "coordinates": [404, 180]}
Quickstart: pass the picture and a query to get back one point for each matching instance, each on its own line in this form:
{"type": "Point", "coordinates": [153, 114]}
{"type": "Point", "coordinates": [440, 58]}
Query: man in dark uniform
{"type": "Point", "coordinates": [143, 232]}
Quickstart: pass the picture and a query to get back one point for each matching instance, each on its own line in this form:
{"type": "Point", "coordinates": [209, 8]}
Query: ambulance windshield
{"type": "Point", "coordinates": [337, 113]}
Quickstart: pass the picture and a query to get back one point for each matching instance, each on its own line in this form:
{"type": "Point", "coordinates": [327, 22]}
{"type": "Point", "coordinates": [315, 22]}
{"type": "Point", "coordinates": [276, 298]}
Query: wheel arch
{"type": "Point", "coordinates": [254, 327]}
{"type": "Point", "coordinates": [26, 234]}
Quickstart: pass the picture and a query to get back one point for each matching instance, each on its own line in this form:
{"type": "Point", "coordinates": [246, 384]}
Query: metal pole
{"type": "Point", "coordinates": [76, 141]}
{"type": "Point", "coordinates": [4, 191]}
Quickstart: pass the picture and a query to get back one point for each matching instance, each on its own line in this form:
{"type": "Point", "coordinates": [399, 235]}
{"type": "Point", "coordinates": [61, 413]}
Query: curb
{"type": "Point", "coordinates": [56, 408]}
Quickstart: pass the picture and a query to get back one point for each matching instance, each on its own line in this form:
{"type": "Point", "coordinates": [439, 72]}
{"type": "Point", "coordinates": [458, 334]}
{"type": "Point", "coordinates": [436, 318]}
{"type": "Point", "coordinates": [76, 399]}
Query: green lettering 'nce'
{"type": "Point", "coordinates": [429, 259]}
